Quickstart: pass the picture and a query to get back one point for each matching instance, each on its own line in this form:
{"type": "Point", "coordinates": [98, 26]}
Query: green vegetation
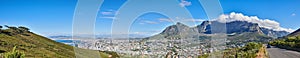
{"type": "Point", "coordinates": [204, 56]}
{"type": "Point", "coordinates": [291, 42]}
{"type": "Point", "coordinates": [250, 50]}
{"type": "Point", "coordinates": [36, 46]}
{"type": "Point", "coordinates": [31, 44]}
{"type": "Point", "coordinates": [248, 37]}
{"type": "Point", "coordinates": [108, 54]}
{"type": "Point", "coordinates": [14, 54]}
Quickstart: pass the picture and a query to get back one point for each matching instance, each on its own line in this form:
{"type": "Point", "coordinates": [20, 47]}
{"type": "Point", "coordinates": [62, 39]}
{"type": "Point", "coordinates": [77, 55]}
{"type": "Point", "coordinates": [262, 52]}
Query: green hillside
{"type": "Point", "coordinates": [291, 41]}
{"type": "Point", "coordinates": [36, 46]}
{"type": "Point", "coordinates": [250, 50]}
{"type": "Point", "coordinates": [249, 37]}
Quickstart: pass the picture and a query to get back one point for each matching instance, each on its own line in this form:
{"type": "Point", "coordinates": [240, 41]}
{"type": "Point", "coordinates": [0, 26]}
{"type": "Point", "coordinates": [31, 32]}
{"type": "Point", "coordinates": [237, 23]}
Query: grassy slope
{"type": "Point", "coordinates": [36, 46]}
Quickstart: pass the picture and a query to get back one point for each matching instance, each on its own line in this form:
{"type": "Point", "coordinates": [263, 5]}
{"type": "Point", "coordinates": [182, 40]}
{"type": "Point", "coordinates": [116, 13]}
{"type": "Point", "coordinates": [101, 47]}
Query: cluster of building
{"type": "Point", "coordinates": [154, 48]}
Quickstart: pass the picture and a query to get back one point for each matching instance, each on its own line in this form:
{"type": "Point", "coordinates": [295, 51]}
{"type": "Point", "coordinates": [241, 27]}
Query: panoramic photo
{"type": "Point", "coordinates": [149, 29]}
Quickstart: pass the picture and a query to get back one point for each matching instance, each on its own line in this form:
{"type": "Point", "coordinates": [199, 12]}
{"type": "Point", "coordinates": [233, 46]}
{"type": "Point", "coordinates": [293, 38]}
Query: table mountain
{"type": "Point", "coordinates": [179, 30]}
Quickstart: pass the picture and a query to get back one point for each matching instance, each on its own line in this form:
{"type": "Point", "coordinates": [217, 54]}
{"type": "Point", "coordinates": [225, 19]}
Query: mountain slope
{"type": "Point", "coordinates": [273, 33]}
{"type": "Point", "coordinates": [178, 31]}
{"type": "Point", "coordinates": [295, 33]}
{"type": "Point", "coordinates": [248, 37]}
{"type": "Point", "coordinates": [36, 46]}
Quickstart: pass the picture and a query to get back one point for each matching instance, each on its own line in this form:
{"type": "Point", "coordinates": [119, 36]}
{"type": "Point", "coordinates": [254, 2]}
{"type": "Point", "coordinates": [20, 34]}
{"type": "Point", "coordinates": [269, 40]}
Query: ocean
{"type": "Point", "coordinates": [66, 41]}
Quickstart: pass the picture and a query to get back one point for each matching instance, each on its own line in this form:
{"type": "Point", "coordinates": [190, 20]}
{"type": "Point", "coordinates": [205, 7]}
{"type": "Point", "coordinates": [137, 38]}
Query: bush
{"type": "Point", "coordinates": [14, 54]}
{"type": "Point", "coordinates": [291, 42]}
{"type": "Point", "coordinates": [248, 51]}
{"type": "Point", "coordinates": [251, 46]}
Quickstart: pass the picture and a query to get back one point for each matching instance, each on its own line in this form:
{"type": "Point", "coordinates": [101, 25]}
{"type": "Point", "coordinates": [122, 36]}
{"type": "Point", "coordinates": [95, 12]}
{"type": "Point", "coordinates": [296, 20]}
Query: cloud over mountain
{"type": "Point", "coordinates": [266, 23]}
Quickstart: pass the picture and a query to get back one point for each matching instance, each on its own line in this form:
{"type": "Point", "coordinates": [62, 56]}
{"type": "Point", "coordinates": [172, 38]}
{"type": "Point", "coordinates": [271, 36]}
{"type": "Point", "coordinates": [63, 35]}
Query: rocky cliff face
{"type": "Point", "coordinates": [204, 27]}
{"type": "Point", "coordinates": [242, 26]}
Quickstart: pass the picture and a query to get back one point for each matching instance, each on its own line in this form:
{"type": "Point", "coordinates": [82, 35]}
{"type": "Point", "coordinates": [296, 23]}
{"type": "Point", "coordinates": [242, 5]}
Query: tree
{"type": "Point", "coordinates": [11, 27]}
{"type": "Point", "coordinates": [0, 28]}
{"type": "Point", "coordinates": [6, 26]}
{"type": "Point", "coordinates": [23, 28]}
{"type": "Point", "coordinates": [12, 30]}
{"type": "Point", "coordinates": [252, 45]}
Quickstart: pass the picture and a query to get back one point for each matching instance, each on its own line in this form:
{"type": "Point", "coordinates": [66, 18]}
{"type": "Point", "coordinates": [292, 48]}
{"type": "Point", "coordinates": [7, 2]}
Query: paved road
{"type": "Point", "coordinates": [282, 53]}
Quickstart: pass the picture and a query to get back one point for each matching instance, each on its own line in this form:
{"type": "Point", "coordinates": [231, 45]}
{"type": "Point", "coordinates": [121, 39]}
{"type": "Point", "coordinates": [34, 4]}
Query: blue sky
{"type": "Point", "coordinates": [54, 17]}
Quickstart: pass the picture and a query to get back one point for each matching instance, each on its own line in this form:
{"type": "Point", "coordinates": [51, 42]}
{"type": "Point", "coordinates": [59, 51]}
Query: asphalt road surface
{"type": "Point", "coordinates": [282, 53]}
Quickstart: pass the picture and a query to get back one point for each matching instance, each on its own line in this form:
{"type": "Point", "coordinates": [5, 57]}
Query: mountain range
{"type": "Point", "coordinates": [234, 29]}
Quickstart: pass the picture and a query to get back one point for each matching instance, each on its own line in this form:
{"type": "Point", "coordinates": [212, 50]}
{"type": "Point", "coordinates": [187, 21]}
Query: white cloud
{"type": "Point", "coordinates": [266, 23]}
{"type": "Point", "coordinates": [184, 3]}
{"type": "Point", "coordinates": [148, 22]}
{"type": "Point", "coordinates": [194, 20]}
{"type": "Point", "coordinates": [148, 33]}
{"type": "Point", "coordinates": [108, 17]}
{"type": "Point", "coordinates": [293, 14]}
{"type": "Point", "coordinates": [107, 13]}
{"type": "Point", "coordinates": [185, 20]}
{"type": "Point", "coordinates": [144, 32]}
{"type": "Point", "coordinates": [164, 20]}
{"type": "Point", "coordinates": [141, 23]}
{"type": "Point", "coordinates": [131, 34]}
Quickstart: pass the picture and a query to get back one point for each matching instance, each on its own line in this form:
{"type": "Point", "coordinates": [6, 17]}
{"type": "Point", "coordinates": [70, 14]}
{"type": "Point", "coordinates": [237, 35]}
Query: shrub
{"type": "Point", "coordinates": [14, 54]}
{"type": "Point", "coordinates": [251, 46]}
